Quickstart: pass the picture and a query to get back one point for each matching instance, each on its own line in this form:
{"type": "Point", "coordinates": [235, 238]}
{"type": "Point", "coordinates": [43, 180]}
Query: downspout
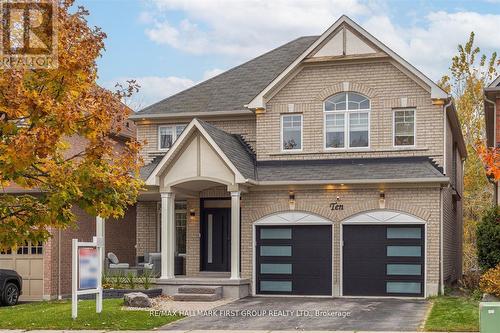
{"type": "Point", "coordinates": [59, 296]}
{"type": "Point", "coordinates": [441, 231]}
{"type": "Point", "coordinates": [441, 234]}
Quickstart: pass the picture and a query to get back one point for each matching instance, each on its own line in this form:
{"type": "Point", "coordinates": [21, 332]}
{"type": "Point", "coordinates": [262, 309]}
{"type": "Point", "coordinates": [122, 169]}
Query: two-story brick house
{"type": "Point", "coordinates": [328, 166]}
{"type": "Point", "coordinates": [491, 108]}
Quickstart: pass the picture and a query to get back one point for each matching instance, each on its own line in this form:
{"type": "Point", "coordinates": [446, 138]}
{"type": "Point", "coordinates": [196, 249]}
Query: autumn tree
{"type": "Point", "coordinates": [470, 72]}
{"type": "Point", "coordinates": [40, 111]}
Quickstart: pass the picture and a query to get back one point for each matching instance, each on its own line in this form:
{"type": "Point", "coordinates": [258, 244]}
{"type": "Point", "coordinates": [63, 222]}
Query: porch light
{"type": "Point", "coordinates": [381, 200]}
{"type": "Point", "coordinates": [192, 212]}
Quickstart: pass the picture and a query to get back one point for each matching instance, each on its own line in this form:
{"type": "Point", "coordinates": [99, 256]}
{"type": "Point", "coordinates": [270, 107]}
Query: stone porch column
{"type": "Point", "coordinates": [167, 235]}
{"type": "Point", "coordinates": [235, 234]}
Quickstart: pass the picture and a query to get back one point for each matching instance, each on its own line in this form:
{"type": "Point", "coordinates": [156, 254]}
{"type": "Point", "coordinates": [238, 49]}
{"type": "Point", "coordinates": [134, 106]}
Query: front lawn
{"type": "Point", "coordinates": [453, 314]}
{"type": "Point", "coordinates": [57, 315]}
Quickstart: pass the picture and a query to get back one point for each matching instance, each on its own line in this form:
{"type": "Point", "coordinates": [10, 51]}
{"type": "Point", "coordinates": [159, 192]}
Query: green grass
{"type": "Point", "coordinates": [57, 315]}
{"type": "Point", "coordinates": [454, 314]}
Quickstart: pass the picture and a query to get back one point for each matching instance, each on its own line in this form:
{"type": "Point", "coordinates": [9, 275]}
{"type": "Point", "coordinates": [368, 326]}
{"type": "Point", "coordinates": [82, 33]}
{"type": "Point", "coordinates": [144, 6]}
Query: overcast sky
{"type": "Point", "coordinates": [169, 45]}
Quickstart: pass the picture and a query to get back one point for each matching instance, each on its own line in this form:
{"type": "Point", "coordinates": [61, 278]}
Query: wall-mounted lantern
{"type": "Point", "coordinates": [291, 200]}
{"type": "Point", "coordinates": [381, 200]}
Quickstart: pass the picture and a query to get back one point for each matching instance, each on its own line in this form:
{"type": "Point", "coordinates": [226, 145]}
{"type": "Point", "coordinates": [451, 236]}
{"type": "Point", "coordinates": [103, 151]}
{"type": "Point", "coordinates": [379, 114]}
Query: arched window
{"type": "Point", "coordinates": [347, 121]}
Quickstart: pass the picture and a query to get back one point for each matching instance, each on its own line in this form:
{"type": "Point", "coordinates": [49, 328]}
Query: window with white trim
{"type": "Point", "coordinates": [291, 132]}
{"type": "Point", "coordinates": [347, 121]}
{"type": "Point", "coordinates": [404, 127]}
{"type": "Point", "coordinates": [168, 134]}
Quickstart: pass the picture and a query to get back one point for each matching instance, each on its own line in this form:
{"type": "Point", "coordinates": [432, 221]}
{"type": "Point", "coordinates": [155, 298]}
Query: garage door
{"type": "Point", "coordinates": [294, 260]}
{"type": "Point", "coordinates": [28, 262]}
{"type": "Point", "coordinates": [383, 260]}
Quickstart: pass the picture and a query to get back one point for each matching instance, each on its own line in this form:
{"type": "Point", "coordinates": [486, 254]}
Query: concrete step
{"type": "Point", "coordinates": [197, 297]}
{"type": "Point", "coordinates": [200, 290]}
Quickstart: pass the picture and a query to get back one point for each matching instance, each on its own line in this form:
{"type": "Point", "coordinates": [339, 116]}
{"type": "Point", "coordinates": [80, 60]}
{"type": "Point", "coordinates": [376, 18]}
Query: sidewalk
{"type": "Point", "coordinates": [205, 331]}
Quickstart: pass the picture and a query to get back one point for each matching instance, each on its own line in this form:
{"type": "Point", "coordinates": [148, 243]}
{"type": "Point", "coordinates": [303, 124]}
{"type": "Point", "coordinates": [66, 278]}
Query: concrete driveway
{"type": "Point", "coordinates": [342, 314]}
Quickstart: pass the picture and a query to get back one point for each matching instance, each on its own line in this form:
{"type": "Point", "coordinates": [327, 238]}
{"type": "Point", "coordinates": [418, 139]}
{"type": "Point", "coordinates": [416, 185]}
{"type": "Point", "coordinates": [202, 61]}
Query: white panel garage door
{"type": "Point", "coordinates": [28, 262]}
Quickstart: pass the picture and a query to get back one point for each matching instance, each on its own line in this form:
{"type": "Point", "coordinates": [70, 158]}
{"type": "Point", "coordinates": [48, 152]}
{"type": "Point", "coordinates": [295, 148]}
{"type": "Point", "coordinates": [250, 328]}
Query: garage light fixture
{"type": "Point", "coordinates": [291, 200]}
{"type": "Point", "coordinates": [381, 200]}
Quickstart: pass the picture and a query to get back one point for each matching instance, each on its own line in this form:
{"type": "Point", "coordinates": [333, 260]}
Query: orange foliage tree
{"type": "Point", "coordinates": [40, 111]}
{"type": "Point", "coordinates": [491, 160]}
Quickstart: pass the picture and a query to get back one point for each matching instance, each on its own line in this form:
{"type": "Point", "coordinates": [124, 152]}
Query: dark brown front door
{"type": "Point", "coordinates": [216, 239]}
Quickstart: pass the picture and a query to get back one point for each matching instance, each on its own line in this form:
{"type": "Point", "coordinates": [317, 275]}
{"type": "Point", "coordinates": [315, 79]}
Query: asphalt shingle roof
{"type": "Point", "coordinates": [348, 169]}
{"type": "Point", "coordinates": [233, 89]}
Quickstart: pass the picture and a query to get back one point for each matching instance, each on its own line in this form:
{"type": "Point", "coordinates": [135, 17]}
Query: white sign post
{"type": "Point", "coordinates": [86, 272]}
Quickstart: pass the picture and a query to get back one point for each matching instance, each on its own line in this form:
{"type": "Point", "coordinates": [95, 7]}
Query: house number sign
{"type": "Point", "coordinates": [336, 206]}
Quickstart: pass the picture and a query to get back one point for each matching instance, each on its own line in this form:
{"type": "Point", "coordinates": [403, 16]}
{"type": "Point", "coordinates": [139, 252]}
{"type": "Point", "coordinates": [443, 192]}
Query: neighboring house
{"type": "Point", "coordinates": [492, 108]}
{"type": "Point", "coordinates": [327, 166]}
{"type": "Point", "coordinates": [46, 268]}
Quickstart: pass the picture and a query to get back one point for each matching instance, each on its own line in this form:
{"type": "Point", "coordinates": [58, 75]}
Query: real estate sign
{"type": "Point", "coordinates": [86, 272]}
{"type": "Point", "coordinates": [88, 263]}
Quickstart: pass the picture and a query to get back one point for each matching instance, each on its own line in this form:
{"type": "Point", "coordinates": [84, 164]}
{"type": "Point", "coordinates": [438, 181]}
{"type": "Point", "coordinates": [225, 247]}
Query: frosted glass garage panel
{"type": "Point", "coordinates": [278, 286]}
{"type": "Point", "coordinates": [403, 287]}
{"type": "Point", "coordinates": [404, 233]}
{"type": "Point", "coordinates": [276, 251]}
{"type": "Point", "coordinates": [276, 233]}
{"type": "Point", "coordinates": [276, 268]}
{"type": "Point", "coordinates": [404, 251]}
{"type": "Point", "coordinates": [404, 269]}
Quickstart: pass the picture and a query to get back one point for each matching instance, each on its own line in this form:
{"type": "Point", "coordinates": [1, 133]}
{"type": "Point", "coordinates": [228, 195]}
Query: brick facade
{"type": "Point", "coordinates": [385, 85]}
{"type": "Point", "coordinates": [120, 239]}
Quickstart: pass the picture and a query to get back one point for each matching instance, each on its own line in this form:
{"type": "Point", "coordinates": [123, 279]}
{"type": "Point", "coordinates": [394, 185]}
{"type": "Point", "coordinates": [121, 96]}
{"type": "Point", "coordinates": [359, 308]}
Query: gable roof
{"type": "Point", "coordinates": [233, 89]}
{"type": "Point", "coordinates": [232, 150]}
{"type": "Point", "coordinates": [259, 100]}
{"type": "Point", "coordinates": [235, 149]}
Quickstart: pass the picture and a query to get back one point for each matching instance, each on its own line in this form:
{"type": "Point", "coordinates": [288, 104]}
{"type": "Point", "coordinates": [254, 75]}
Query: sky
{"type": "Point", "coordinates": [170, 45]}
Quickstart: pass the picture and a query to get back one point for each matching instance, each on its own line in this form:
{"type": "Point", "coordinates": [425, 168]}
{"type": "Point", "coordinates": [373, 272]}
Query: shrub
{"type": "Point", "coordinates": [488, 239]}
{"type": "Point", "coordinates": [490, 281]}
{"type": "Point", "coordinates": [469, 282]}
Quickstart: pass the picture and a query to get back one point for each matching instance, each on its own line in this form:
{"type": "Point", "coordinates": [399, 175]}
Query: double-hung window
{"type": "Point", "coordinates": [347, 121]}
{"type": "Point", "coordinates": [168, 134]}
{"type": "Point", "coordinates": [404, 128]}
{"type": "Point", "coordinates": [291, 132]}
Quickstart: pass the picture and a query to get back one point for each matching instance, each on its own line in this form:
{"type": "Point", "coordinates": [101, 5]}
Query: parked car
{"type": "Point", "coordinates": [11, 286]}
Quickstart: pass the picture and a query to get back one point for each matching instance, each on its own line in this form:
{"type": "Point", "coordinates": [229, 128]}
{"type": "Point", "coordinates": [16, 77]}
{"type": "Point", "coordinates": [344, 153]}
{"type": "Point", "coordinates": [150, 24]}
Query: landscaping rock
{"type": "Point", "coordinates": [137, 300]}
{"type": "Point", "coordinates": [490, 298]}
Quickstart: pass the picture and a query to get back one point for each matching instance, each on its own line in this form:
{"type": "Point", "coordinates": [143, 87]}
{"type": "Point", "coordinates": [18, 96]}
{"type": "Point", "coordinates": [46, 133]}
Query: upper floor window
{"type": "Point", "coordinates": [291, 132]}
{"type": "Point", "coordinates": [404, 127]}
{"type": "Point", "coordinates": [168, 134]}
{"type": "Point", "coordinates": [347, 121]}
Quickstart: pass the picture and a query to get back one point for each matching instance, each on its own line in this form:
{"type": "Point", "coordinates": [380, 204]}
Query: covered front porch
{"type": "Point", "coordinates": [197, 191]}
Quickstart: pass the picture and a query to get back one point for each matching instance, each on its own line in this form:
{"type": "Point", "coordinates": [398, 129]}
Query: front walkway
{"type": "Point", "coordinates": [299, 313]}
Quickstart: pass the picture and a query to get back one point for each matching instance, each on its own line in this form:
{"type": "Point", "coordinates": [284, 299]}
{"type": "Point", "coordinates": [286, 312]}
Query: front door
{"type": "Point", "coordinates": [216, 239]}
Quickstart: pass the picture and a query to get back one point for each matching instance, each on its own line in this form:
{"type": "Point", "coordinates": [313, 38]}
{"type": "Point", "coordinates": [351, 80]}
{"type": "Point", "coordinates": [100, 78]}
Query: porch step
{"type": "Point", "coordinates": [198, 293]}
{"type": "Point", "coordinates": [200, 290]}
{"type": "Point", "coordinates": [197, 297]}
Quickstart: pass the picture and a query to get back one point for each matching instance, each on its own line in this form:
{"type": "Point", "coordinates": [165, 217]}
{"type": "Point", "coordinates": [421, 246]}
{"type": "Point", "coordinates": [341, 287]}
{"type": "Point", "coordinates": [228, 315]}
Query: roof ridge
{"type": "Point", "coordinates": [223, 73]}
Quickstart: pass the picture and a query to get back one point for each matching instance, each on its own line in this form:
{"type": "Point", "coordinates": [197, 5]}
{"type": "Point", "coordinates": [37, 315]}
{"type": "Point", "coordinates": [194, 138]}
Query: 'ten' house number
{"type": "Point", "coordinates": [336, 206]}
